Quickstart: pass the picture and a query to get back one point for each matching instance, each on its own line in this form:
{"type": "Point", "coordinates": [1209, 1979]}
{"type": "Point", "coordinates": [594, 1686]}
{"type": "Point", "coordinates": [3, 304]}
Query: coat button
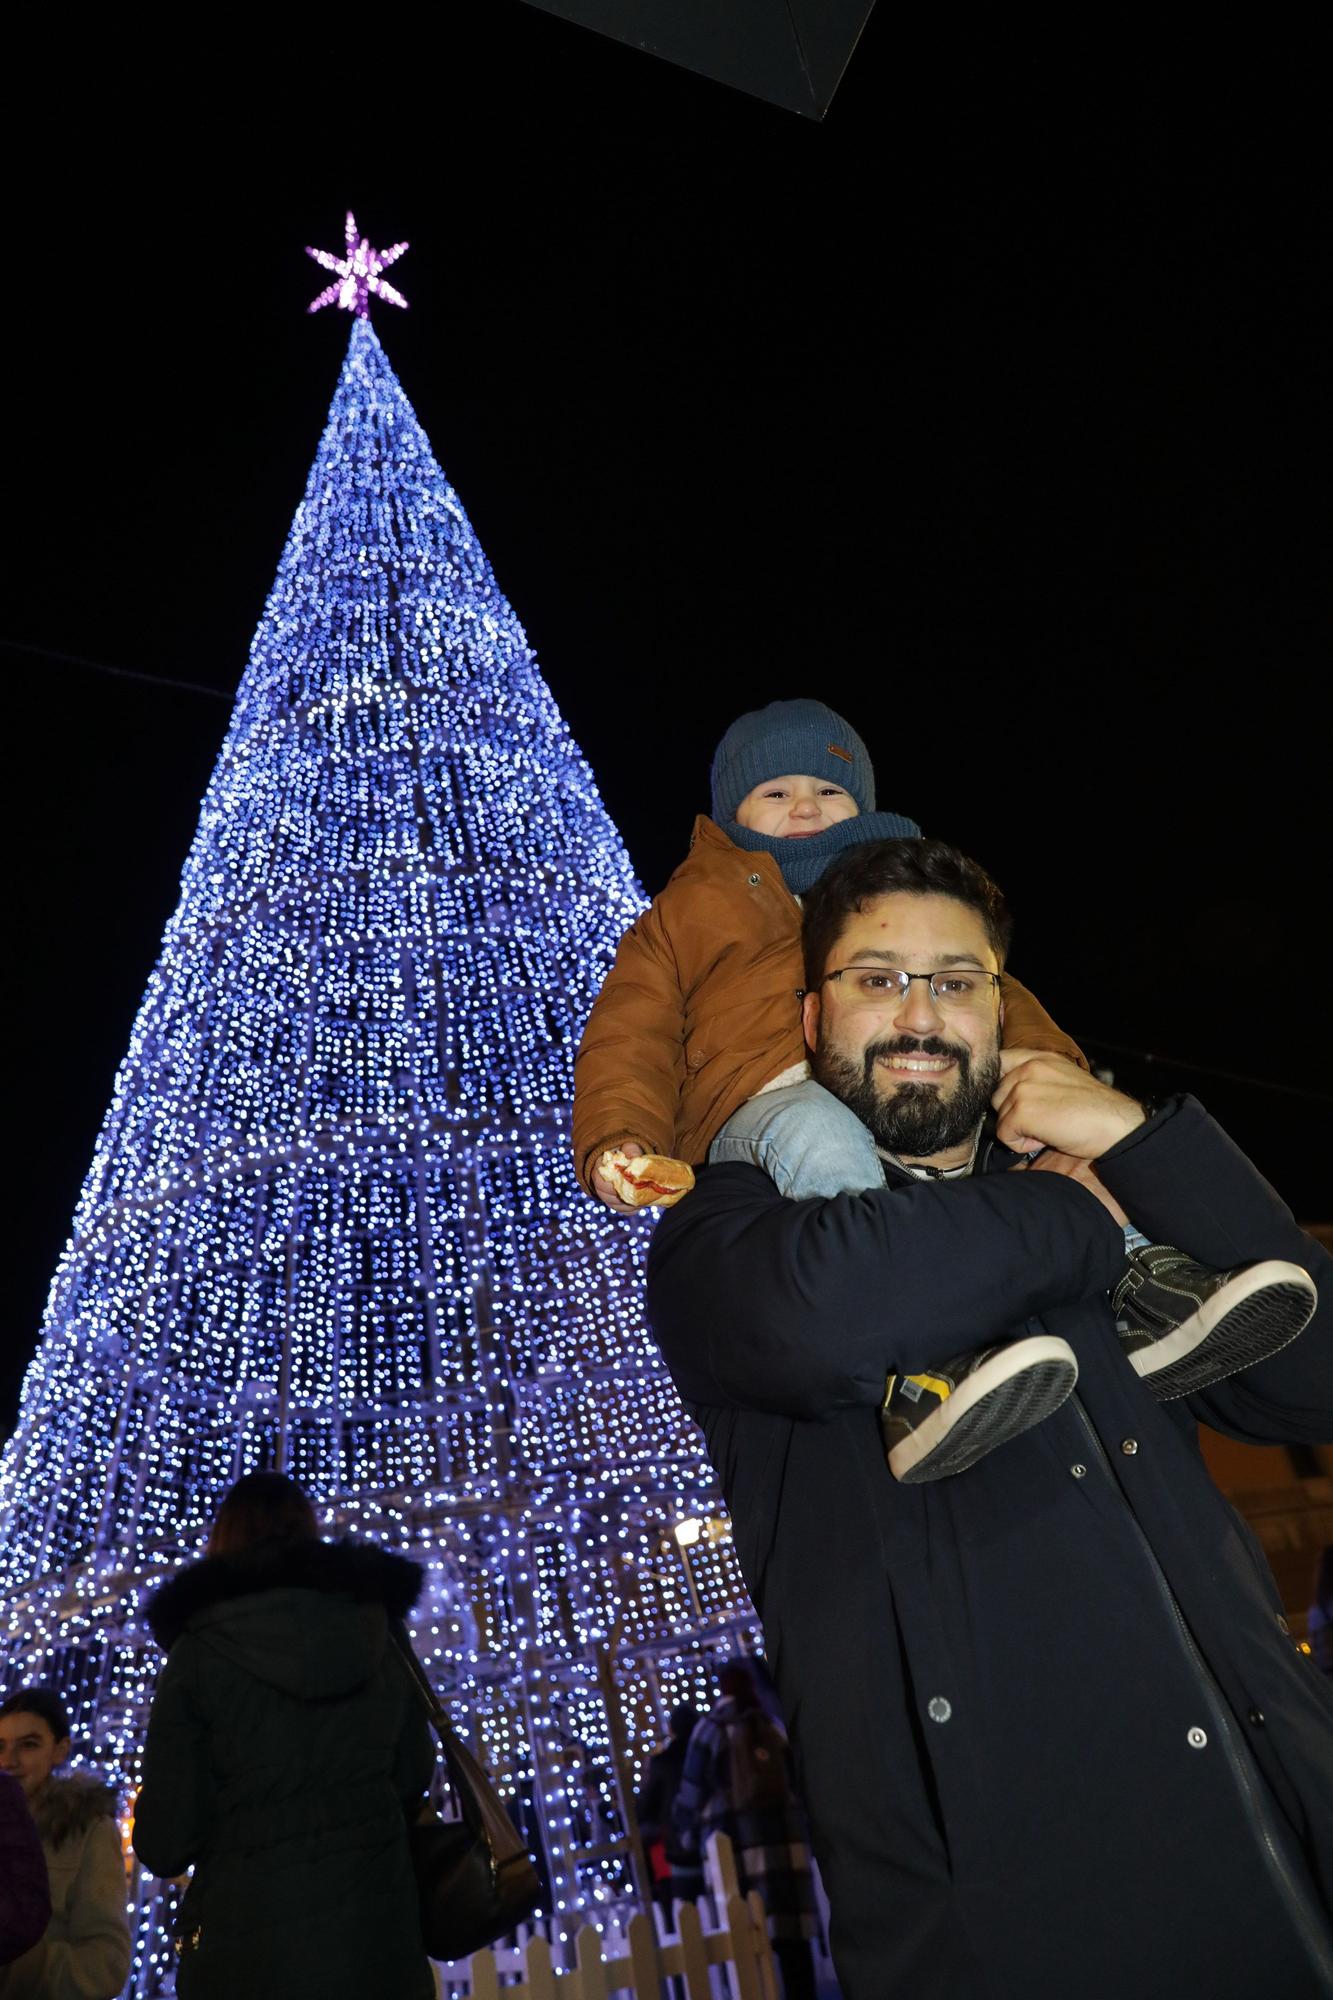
{"type": "Point", "coordinates": [1282, 1625]}
{"type": "Point", "coordinates": [1079, 1471]}
{"type": "Point", "coordinates": [1129, 1446]}
{"type": "Point", "coordinates": [754, 881]}
{"type": "Point", "coordinates": [1197, 1738]}
{"type": "Point", "coordinates": [1257, 1717]}
{"type": "Point", "coordinates": [938, 1709]}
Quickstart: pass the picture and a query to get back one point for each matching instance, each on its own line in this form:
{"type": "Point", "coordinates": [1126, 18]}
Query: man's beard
{"type": "Point", "coordinates": [917, 1119]}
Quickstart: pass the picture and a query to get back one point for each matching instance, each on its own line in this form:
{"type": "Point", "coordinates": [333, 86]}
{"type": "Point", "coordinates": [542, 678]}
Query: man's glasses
{"type": "Point", "coordinates": [880, 985]}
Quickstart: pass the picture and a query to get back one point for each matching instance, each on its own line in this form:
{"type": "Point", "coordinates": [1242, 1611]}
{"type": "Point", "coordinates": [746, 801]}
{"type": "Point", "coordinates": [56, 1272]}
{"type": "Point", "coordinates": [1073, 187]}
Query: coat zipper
{"type": "Point", "coordinates": [1289, 1889]}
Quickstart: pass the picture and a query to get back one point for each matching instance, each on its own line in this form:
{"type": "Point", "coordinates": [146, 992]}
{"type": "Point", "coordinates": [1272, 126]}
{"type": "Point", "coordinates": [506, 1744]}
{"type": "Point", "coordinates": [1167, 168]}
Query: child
{"type": "Point", "coordinates": [694, 1051]}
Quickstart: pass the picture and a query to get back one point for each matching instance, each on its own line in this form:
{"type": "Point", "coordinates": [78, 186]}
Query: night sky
{"type": "Point", "coordinates": [983, 410]}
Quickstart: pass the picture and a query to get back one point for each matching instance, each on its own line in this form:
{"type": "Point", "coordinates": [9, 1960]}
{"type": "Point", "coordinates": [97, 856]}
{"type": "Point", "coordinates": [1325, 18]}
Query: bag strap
{"type": "Point", "coordinates": [479, 1802]}
{"type": "Point", "coordinates": [417, 1675]}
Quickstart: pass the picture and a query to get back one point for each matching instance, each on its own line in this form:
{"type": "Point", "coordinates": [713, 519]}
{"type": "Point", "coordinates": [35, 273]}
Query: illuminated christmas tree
{"type": "Point", "coordinates": [331, 1223]}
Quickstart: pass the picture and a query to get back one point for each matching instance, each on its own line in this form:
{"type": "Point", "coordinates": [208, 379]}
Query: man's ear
{"type": "Point", "coordinates": [810, 1017]}
{"type": "Point", "coordinates": [1001, 1020]}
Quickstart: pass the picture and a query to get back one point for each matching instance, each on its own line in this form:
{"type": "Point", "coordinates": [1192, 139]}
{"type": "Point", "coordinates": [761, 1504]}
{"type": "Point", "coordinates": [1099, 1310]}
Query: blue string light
{"type": "Point", "coordinates": [330, 1221]}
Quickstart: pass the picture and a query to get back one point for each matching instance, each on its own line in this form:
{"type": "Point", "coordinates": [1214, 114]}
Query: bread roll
{"type": "Point", "coordinates": [650, 1181]}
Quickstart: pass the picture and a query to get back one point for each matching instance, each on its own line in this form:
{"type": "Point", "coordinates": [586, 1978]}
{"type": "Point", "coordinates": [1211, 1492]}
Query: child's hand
{"type": "Point", "coordinates": [629, 1149]}
{"type": "Point", "coordinates": [628, 1179]}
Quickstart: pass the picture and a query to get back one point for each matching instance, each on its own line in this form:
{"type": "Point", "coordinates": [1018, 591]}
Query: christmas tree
{"type": "Point", "coordinates": [331, 1223]}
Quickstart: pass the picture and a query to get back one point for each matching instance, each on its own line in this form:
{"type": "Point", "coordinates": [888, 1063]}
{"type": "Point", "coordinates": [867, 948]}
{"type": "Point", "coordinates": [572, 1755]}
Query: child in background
{"type": "Point", "coordinates": [699, 1016]}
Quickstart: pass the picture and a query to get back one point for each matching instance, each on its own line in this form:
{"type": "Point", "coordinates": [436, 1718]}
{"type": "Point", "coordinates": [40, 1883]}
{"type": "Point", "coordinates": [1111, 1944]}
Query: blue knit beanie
{"type": "Point", "coordinates": [789, 739]}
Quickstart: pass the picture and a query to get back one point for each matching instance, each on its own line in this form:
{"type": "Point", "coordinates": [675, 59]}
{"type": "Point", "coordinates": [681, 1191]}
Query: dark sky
{"type": "Point", "coordinates": [983, 410]}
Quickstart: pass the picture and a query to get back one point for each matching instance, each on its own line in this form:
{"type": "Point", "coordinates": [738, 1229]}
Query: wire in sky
{"type": "Point", "coordinates": [1203, 1069]}
{"type": "Point", "coordinates": [121, 673]}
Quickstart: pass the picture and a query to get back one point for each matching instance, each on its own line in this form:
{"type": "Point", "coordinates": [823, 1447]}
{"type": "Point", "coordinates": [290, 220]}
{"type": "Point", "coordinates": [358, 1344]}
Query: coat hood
{"type": "Point", "coordinates": [308, 1618]}
{"type": "Point", "coordinates": [68, 1806]}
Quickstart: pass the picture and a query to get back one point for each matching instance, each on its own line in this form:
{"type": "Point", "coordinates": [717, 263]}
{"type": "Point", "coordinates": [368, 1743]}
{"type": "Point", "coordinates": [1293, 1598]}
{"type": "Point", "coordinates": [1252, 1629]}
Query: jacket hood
{"type": "Point", "coordinates": [69, 1806]}
{"type": "Point", "coordinates": [308, 1618]}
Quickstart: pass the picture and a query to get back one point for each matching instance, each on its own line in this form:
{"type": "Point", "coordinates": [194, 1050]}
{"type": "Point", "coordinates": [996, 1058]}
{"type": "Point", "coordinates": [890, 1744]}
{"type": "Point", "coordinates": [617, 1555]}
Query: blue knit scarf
{"type": "Point", "coordinates": [803, 861]}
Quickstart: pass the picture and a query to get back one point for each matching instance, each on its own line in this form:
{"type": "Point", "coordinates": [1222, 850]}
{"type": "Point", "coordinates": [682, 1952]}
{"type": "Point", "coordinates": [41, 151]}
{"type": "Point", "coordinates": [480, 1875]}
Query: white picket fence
{"type": "Point", "coordinates": [729, 1960]}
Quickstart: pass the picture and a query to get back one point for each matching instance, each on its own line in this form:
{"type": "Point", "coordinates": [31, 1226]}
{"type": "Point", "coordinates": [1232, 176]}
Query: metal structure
{"type": "Point", "coordinates": [331, 1224]}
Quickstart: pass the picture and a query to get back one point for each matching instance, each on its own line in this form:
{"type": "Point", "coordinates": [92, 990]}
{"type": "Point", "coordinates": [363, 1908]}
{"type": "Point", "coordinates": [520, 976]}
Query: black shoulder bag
{"type": "Point", "coordinates": [475, 1878]}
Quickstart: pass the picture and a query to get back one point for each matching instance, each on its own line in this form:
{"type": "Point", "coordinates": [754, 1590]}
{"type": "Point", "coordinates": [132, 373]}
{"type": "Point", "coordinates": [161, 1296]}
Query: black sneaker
{"type": "Point", "coordinates": [940, 1422]}
{"type": "Point", "coordinates": [1183, 1325]}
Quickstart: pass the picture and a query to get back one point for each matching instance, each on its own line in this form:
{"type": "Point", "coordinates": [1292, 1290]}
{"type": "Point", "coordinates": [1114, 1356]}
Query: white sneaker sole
{"type": "Point", "coordinates": [1258, 1313]}
{"type": "Point", "coordinates": [1012, 1390]}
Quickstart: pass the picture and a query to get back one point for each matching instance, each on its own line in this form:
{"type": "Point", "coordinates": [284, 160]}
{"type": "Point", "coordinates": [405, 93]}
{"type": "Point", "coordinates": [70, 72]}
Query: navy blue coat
{"type": "Point", "coordinates": [1049, 1724]}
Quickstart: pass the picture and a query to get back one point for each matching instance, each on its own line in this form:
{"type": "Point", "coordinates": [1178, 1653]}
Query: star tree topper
{"type": "Point", "coordinates": [358, 274]}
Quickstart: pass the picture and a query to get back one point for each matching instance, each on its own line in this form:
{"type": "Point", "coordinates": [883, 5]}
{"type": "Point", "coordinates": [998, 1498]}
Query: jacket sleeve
{"type": "Point", "coordinates": [801, 1308]}
{"type": "Point", "coordinates": [93, 1959]}
{"type": "Point", "coordinates": [1027, 1025]}
{"type": "Point", "coordinates": [25, 1896]}
{"type": "Point", "coordinates": [174, 1813]}
{"type": "Point", "coordinates": [630, 1066]}
{"type": "Point", "coordinates": [1181, 1180]}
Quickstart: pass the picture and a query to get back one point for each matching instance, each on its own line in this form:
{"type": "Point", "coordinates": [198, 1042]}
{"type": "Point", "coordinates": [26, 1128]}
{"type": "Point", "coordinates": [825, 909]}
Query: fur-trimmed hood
{"type": "Point", "coordinates": [68, 1806]}
{"type": "Point", "coordinates": [307, 1617]}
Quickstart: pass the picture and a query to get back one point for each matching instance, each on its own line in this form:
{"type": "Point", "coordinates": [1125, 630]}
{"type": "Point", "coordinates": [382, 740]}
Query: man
{"type": "Point", "coordinates": [737, 1781]}
{"type": "Point", "coordinates": [1051, 1730]}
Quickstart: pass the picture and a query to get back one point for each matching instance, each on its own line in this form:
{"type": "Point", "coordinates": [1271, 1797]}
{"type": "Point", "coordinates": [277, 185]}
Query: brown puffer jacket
{"type": "Point", "coordinates": [700, 1011]}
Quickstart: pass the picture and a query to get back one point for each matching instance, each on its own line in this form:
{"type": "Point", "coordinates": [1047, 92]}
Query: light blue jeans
{"type": "Point", "coordinates": [811, 1146]}
{"type": "Point", "coordinates": [805, 1139]}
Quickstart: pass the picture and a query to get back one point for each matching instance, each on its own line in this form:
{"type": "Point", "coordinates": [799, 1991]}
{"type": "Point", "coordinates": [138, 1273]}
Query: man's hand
{"type": "Point", "coordinates": [1043, 1100]}
{"type": "Point", "coordinates": [602, 1187]}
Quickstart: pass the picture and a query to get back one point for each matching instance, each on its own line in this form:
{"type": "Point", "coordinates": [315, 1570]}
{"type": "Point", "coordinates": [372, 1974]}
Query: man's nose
{"type": "Point", "coordinates": [918, 1010]}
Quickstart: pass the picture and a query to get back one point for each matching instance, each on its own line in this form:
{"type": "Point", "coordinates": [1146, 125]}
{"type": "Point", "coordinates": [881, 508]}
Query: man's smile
{"type": "Point", "coordinates": [900, 1065]}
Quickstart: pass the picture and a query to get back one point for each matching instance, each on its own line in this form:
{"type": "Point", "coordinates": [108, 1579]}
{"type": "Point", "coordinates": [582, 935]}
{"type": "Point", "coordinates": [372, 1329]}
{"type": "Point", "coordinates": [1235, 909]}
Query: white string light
{"type": "Point", "coordinates": [331, 1222]}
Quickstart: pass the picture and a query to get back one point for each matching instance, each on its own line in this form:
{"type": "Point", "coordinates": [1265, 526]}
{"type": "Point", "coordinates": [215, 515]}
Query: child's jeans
{"type": "Point", "coordinates": [810, 1145]}
{"type": "Point", "coordinates": [806, 1141]}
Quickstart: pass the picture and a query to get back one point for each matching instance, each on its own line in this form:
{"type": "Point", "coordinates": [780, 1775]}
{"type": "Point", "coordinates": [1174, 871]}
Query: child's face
{"type": "Point", "coordinates": [793, 808]}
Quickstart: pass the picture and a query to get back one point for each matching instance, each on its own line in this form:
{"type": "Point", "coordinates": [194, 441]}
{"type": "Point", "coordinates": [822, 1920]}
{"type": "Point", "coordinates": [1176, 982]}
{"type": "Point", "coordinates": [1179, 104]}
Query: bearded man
{"type": "Point", "coordinates": [1047, 1719]}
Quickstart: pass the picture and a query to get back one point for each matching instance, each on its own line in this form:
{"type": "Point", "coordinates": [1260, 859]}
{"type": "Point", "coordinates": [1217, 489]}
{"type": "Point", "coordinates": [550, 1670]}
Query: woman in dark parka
{"type": "Point", "coordinates": [284, 1746]}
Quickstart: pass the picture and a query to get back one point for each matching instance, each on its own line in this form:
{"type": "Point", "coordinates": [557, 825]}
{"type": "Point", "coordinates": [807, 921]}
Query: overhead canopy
{"type": "Point", "coordinates": [791, 52]}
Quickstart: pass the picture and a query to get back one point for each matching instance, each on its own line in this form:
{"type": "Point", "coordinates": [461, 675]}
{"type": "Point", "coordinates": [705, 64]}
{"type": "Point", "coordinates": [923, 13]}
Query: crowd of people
{"type": "Point", "coordinates": [948, 1309]}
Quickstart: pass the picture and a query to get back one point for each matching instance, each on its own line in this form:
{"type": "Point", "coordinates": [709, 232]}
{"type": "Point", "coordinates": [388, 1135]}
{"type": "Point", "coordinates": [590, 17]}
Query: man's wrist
{"type": "Point", "coordinates": [1134, 1114]}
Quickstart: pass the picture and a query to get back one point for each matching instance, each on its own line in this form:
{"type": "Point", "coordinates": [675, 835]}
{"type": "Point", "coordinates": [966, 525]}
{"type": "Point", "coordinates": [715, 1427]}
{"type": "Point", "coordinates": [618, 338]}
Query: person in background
{"type": "Point", "coordinates": [25, 1893]}
{"type": "Point", "coordinates": [675, 1871]}
{"type": "Point", "coordinates": [286, 1746]}
{"type": "Point", "coordinates": [737, 1781]}
{"type": "Point", "coordinates": [84, 1951]}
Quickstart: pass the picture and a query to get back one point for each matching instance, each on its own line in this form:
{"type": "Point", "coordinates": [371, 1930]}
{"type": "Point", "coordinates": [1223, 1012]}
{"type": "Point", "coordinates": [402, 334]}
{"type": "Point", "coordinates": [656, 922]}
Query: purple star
{"type": "Point", "coordinates": [358, 274]}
